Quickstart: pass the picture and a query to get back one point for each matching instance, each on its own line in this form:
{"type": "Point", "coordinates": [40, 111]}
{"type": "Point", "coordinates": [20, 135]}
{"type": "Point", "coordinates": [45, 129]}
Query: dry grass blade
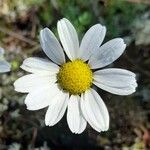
{"type": "Point", "coordinates": [18, 36]}
{"type": "Point", "coordinates": [139, 1]}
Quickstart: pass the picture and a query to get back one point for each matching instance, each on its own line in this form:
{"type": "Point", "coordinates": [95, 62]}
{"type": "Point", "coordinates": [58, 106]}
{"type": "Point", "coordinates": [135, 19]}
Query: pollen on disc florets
{"type": "Point", "coordinates": [75, 77]}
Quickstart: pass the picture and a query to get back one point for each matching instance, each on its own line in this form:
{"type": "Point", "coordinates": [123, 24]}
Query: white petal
{"type": "Point", "coordinates": [57, 108]}
{"type": "Point", "coordinates": [51, 46]}
{"type": "Point", "coordinates": [68, 37]}
{"type": "Point", "coordinates": [41, 97]}
{"type": "Point", "coordinates": [29, 82]}
{"type": "Point", "coordinates": [107, 53]}
{"type": "Point", "coordinates": [1, 51]}
{"type": "Point", "coordinates": [4, 66]}
{"type": "Point", "coordinates": [91, 41]}
{"type": "Point", "coordinates": [76, 122]}
{"type": "Point", "coordinates": [94, 110]}
{"type": "Point", "coordinates": [39, 65]}
{"type": "Point", "coordinates": [116, 81]}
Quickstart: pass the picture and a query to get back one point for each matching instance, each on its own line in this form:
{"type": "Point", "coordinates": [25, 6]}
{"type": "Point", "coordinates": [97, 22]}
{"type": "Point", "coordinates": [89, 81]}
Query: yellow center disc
{"type": "Point", "coordinates": [75, 77]}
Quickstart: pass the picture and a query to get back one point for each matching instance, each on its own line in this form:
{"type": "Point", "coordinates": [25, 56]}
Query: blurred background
{"type": "Point", "coordinates": [20, 23]}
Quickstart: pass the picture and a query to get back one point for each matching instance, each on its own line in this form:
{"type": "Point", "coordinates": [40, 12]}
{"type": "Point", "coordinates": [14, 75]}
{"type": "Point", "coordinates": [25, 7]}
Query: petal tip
{"type": "Point", "coordinates": [46, 123]}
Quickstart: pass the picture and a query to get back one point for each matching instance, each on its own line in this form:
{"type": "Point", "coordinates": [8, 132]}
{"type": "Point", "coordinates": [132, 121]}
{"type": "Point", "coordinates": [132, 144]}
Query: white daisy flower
{"type": "Point", "coordinates": [63, 84]}
{"type": "Point", "coordinates": [4, 65]}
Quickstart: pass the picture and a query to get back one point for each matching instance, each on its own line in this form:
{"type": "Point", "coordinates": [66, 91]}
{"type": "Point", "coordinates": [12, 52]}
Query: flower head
{"type": "Point", "coordinates": [61, 84]}
{"type": "Point", "coordinates": [4, 65]}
